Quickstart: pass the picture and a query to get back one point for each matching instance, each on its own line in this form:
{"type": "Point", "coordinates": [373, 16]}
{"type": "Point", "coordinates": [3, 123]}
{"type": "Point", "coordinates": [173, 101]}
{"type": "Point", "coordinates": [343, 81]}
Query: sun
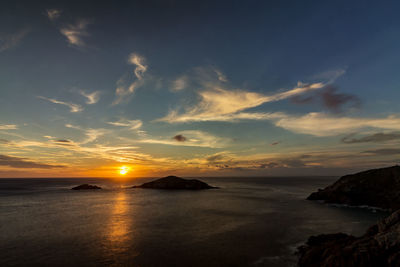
{"type": "Point", "coordinates": [123, 170]}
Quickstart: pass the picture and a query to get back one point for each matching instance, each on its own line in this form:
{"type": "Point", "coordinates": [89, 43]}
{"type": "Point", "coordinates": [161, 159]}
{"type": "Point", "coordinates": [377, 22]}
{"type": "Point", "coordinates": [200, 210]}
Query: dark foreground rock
{"type": "Point", "coordinates": [175, 183]}
{"type": "Point", "coordinates": [377, 188]}
{"type": "Point", "coordinates": [85, 187]}
{"type": "Point", "coordinates": [379, 246]}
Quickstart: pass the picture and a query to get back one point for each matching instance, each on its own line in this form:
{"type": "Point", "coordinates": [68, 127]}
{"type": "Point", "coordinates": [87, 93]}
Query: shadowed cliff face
{"type": "Point", "coordinates": [379, 246]}
{"type": "Point", "coordinates": [175, 183]}
{"type": "Point", "coordinates": [378, 188]}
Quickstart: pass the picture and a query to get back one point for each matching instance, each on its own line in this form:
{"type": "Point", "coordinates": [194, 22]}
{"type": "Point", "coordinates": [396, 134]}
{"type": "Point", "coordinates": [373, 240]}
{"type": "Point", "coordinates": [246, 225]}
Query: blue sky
{"type": "Point", "coordinates": [243, 88]}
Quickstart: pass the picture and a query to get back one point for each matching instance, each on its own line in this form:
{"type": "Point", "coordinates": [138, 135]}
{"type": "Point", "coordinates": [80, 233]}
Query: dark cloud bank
{"type": "Point", "coordinates": [330, 98]}
{"type": "Point", "coordinates": [16, 162]}
{"type": "Point", "coordinates": [378, 137]}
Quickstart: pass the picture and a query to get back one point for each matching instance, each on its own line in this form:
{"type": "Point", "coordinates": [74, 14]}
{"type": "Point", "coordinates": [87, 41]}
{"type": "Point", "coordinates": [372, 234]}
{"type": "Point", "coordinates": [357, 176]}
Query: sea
{"type": "Point", "coordinates": [247, 222]}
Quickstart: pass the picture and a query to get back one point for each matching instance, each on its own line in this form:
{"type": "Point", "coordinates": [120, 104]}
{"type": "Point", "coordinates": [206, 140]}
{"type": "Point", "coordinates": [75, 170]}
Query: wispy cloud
{"type": "Point", "coordinates": [384, 151]}
{"type": "Point", "coordinates": [63, 142]}
{"type": "Point", "coordinates": [322, 124]}
{"type": "Point", "coordinates": [8, 41]}
{"type": "Point", "coordinates": [91, 98]}
{"type": "Point", "coordinates": [139, 62]}
{"type": "Point", "coordinates": [192, 138]}
{"type": "Point", "coordinates": [330, 75]}
{"type": "Point", "coordinates": [68, 125]}
{"type": "Point", "coordinates": [204, 77]}
{"type": "Point", "coordinates": [91, 134]}
{"type": "Point", "coordinates": [220, 157]}
{"type": "Point", "coordinates": [17, 162]}
{"type": "Point", "coordinates": [53, 13]}
{"type": "Point", "coordinates": [220, 75]}
{"type": "Point", "coordinates": [373, 138]}
{"type": "Point", "coordinates": [180, 83]}
{"type": "Point", "coordinates": [131, 124]}
{"type": "Point", "coordinates": [75, 33]}
{"type": "Point", "coordinates": [73, 107]}
{"type": "Point", "coordinates": [125, 88]}
{"type": "Point", "coordinates": [8, 127]}
{"type": "Point", "coordinates": [218, 104]}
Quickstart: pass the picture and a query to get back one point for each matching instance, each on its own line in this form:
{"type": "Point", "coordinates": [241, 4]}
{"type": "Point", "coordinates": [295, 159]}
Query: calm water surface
{"type": "Point", "coordinates": [248, 222]}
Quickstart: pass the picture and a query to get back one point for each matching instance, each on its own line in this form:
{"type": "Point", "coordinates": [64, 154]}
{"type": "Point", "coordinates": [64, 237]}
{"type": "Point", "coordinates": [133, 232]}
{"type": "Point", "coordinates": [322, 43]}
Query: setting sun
{"type": "Point", "coordinates": [123, 170]}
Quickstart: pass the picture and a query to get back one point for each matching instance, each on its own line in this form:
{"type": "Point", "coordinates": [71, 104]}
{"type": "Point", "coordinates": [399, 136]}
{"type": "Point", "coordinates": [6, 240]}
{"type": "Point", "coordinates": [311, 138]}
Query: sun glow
{"type": "Point", "coordinates": [123, 170]}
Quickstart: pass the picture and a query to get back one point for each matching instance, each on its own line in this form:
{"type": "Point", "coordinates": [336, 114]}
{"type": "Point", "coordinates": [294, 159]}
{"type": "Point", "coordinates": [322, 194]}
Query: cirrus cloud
{"type": "Point", "coordinates": [73, 107]}
{"type": "Point", "coordinates": [75, 33]}
{"type": "Point", "coordinates": [131, 124]}
{"type": "Point", "coordinates": [218, 104]}
{"type": "Point", "coordinates": [322, 124]}
{"type": "Point", "coordinates": [91, 98]}
{"type": "Point", "coordinates": [125, 88]}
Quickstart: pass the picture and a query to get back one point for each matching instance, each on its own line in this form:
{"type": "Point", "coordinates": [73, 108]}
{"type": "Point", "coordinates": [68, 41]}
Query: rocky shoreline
{"type": "Point", "coordinates": [380, 245]}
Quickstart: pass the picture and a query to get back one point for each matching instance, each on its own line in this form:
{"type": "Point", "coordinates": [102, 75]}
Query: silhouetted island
{"type": "Point", "coordinates": [377, 188]}
{"type": "Point", "coordinates": [379, 246]}
{"type": "Point", "coordinates": [175, 183]}
{"type": "Point", "coordinates": [85, 187]}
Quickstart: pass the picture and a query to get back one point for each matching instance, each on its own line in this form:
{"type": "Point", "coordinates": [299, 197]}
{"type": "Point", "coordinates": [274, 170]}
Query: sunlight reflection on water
{"type": "Point", "coordinates": [118, 234]}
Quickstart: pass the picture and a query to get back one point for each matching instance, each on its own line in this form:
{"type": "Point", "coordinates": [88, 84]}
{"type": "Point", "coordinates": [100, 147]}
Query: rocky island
{"type": "Point", "coordinates": [175, 183]}
{"type": "Point", "coordinates": [86, 187]}
{"type": "Point", "coordinates": [380, 245]}
{"type": "Point", "coordinates": [376, 188]}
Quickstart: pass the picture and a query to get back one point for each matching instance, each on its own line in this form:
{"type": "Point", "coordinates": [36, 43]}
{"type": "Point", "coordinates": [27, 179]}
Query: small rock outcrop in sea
{"type": "Point", "coordinates": [377, 188]}
{"type": "Point", "coordinates": [85, 187]}
{"type": "Point", "coordinates": [175, 183]}
{"type": "Point", "coordinates": [379, 246]}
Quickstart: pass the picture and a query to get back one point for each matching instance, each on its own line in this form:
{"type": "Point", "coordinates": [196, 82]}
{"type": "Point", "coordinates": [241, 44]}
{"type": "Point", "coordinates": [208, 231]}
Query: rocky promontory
{"type": "Point", "coordinates": [376, 188]}
{"type": "Point", "coordinates": [86, 187]}
{"type": "Point", "coordinates": [379, 246]}
{"type": "Point", "coordinates": [175, 183]}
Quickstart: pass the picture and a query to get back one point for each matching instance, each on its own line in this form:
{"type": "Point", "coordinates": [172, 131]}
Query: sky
{"type": "Point", "coordinates": [198, 88]}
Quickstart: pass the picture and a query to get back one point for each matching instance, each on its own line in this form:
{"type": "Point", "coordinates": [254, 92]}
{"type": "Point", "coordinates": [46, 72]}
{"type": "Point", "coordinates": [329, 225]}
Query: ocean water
{"type": "Point", "coordinates": [247, 222]}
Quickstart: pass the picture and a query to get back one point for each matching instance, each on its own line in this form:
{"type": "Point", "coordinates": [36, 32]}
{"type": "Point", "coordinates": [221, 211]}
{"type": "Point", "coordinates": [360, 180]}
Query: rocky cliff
{"type": "Point", "coordinates": [378, 188]}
